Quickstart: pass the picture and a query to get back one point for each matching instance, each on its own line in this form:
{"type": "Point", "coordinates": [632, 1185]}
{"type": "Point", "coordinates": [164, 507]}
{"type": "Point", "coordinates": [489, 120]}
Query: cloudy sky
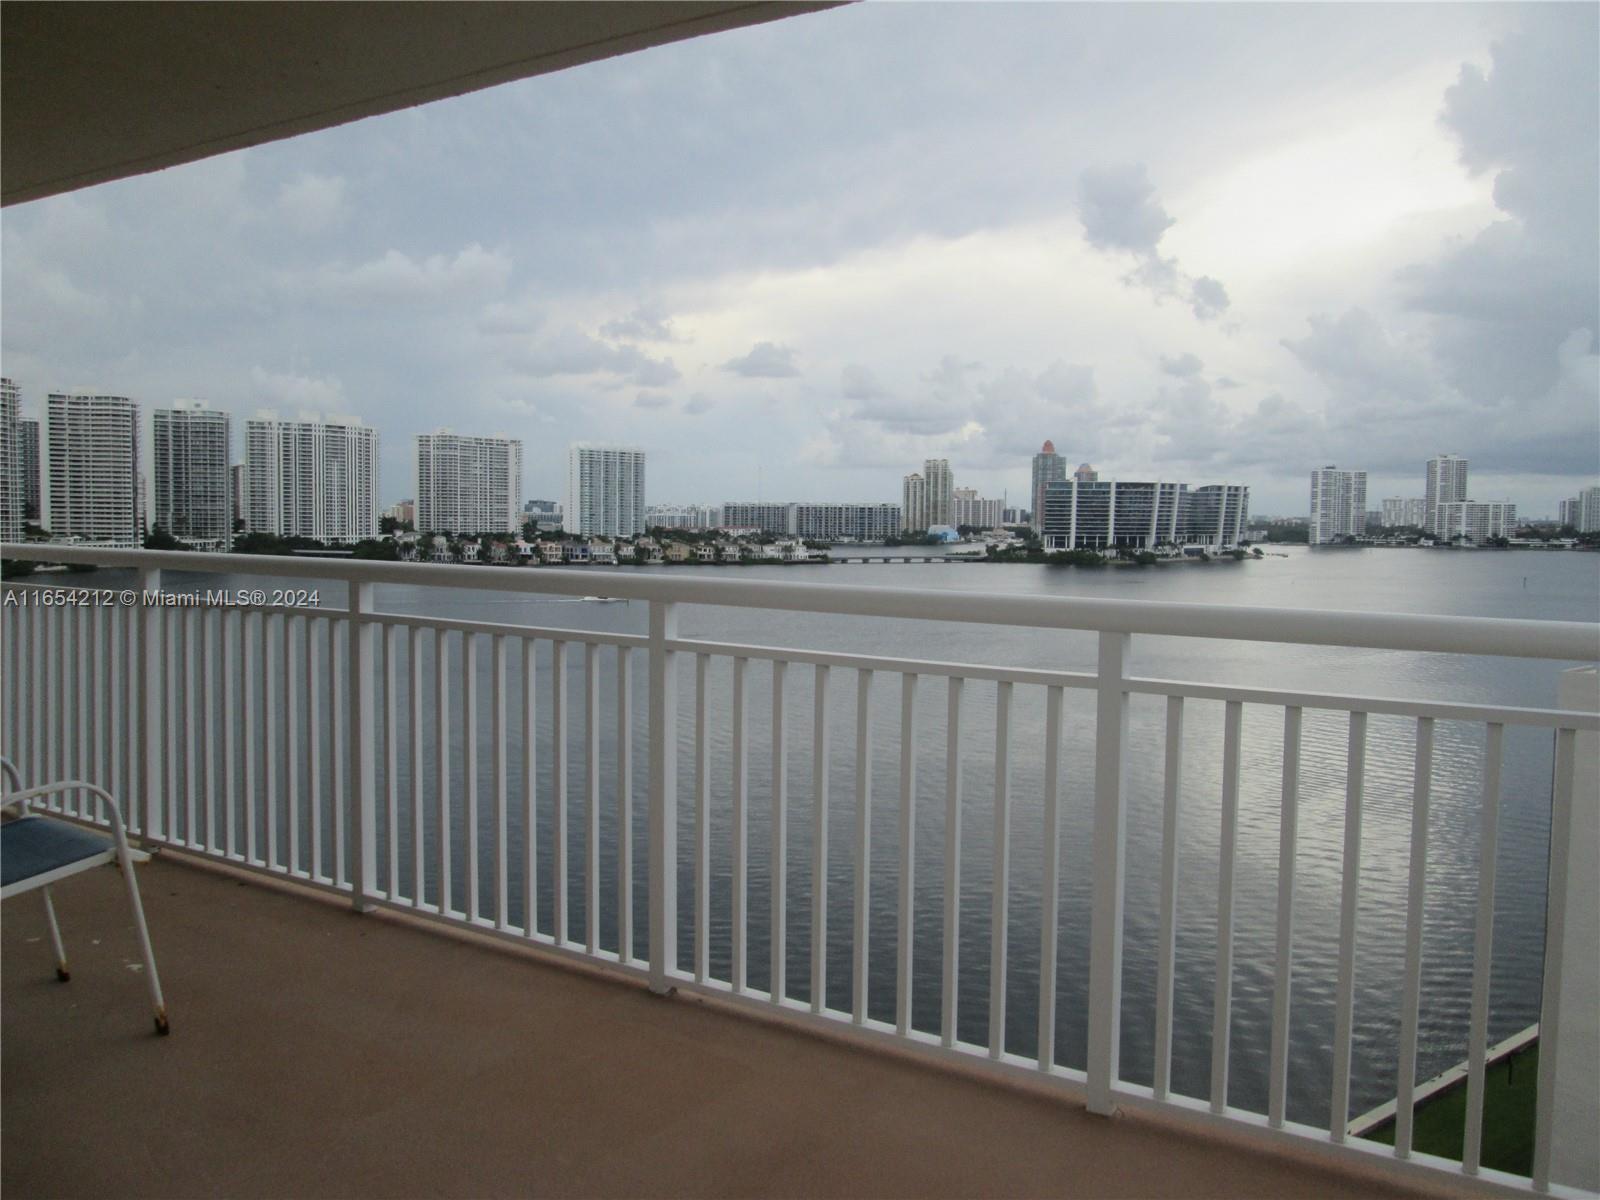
{"type": "Point", "coordinates": [1183, 241]}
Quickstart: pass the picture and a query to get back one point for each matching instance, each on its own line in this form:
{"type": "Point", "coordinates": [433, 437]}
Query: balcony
{"type": "Point", "coordinates": [605, 797]}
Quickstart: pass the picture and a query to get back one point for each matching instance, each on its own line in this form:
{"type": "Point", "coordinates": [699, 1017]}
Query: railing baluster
{"type": "Point", "coordinates": [55, 755]}
{"type": "Point", "coordinates": [469, 766]}
{"type": "Point", "coordinates": [1416, 895]}
{"type": "Point", "coordinates": [211, 696]}
{"type": "Point", "coordinates": [100, 740]}
{"type": "Point", "coordinates": [499, 735]}
{"type": "Point", "coordinates": [1109, 849]}
{"type": "Point", "coordinates": [177, 750]}
{"type": "Point", "coordinates": [414, 716]}
{"type": "Point", "coordinates": [1349, 903]}
{"type": "Point", "coordinates": [1166, 948]}
{"type": "Point", "coordinates": [624, 804]}
{"type": "Point", "coordinates": [741, 824]}
{"type": "Point", "coordinates": [863, 875]}
{"type": "Point", "coordinates": [663, 796]}
{"type": "Point", "coordinates": [191, 732]}
{"type": "Point", "coordinates": [702, 823]}
{"type": "Point", "coordinates": [232, 644]}
{"type": "Point", "coordinates": [83, 637]}
{"type": "Point", "coordinates": [1050, 885]}
{"type": "Point", "coordinates": [950, 992]}
{"type": "Point", "coordinates": [361, 643]}
{"type": "Point", "coordinates": [999, 904]}
{"type": "Point", "coordinates": [780, 832]}
{"type": "Point", "coordinates": [291, 737]}
{"type": "Point", "coordinates": [129, 693]}
{"type": "Point", "coordinates": [254, 650]}
{"type": "Point", "coordinates": [558, 784]}
{"type": "Point", "coordinates": [908, 833]}
{"type": "Point", "coordinates": [441, 762]}
{"type": "Point", "coordinates": [530, 780]}
{"type": "Point", "coordinates": [1483, 943]}
{"type": "Point", "coordinates": [819, 843]}
{"type": "Point", "coordinates": [313, 691]}
{"type": "Point", "coordinates": [1222, 1012]}
{"type": "Point", "coordinates": [1288, 825]}
{"type": "Point", "coordinates": [117, 736]}
{"type": "Point", "coordinates": [38, 678]}
{"type": "Point", "coordinates": [337, 711]}
{"type": "Point", "coordinates": [391, 754]}
{"type": "Point", "coordinates": [270, 710]}
{"type": "Point", "coordinates": [591, 797]}
{"type": "Point", "coordinates": [1560, 895]}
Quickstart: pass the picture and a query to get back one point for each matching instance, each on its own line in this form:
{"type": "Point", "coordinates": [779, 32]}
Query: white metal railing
{"type": "Point", "coordinates": [416, 762]}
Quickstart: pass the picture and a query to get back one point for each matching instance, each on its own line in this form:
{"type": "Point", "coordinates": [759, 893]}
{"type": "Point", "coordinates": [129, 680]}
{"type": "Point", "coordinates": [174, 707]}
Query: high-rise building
{"type": "Point", "coordinates": [404, 511]}
{"type": "Point", "coordinates": [1338, 505]}
{"type": "Point", "coordinates": [1446, 483]}
{"type": "Point", "coordinates": [767, 516]}
{"type": "Point", "coordinates": [12, 487]}
{"type": "Point", "coordinates": [1582, 512]}
{"type": "Point", "coordinates": [236, 480]}
{"type": "Point", "coordinates": [941, 491]}
{"type": "Point", "coordinates": [28, 464]}
{"type": "Point", "coordinates": [914, 503]}
{"type": "Point", "coordinates": [1216, 514]}
{"type": "Point", "coordinates": [468, 484]}
{"type": "Point", "coordinates": [605, 490]}
{"type": "Point", "coordinates": [683, 516]}
{"type": "Point", "coordinates": [192, 445]}
{"type": "Point", "coordinates": [1086, 473]}
{"type": "Point", "coordinates": [858, 522]}
{"type": "Point", "coordinates": [93, 468]}
{"type": "Point", "coordinates": [1048, 467]}
{"type": "Point", "coordinates": [968, 508]}
{"type": "Point", "coordinates": [1475, 522]}
{"type": "Point", "coordinates": [1398, 511]}
{"type": "Point", "coordinates": [1112, 515]}
{"type": "Point", "coordinates": [312, 478]}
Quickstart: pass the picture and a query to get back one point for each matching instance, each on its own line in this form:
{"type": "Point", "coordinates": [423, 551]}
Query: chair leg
{"type": "Point", "coordinates": [144, 945]}
{"type": "Point", "coordinates": [55, 938]}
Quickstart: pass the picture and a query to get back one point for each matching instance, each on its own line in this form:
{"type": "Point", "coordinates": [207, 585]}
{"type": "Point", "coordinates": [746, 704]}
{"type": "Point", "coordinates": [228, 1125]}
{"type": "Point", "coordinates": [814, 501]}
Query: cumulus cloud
{"type": "Point", "coordinates": [1119, 209]}
{"type": "Point", "coordinates": [766, 360]}
{"type": "Point", "coordinates": [570, 352]}
{"type": "Point", "coordinates": [647, 323]}
{"type": "Point", "coordinates": [1509, 297]}
{"type": "Point", "coordinates": [293, 392]}
{"type": "Point", "coordinates": [1121, 214]}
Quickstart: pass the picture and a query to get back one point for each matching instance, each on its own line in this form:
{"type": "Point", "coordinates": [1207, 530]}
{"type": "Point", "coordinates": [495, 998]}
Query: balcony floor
{"type": "Point", "coordinates": [319, 1053]}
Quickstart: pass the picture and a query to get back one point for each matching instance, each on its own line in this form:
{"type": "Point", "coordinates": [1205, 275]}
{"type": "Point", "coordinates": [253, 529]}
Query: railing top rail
{"type": "Point", "coordinates": [1573, 641]}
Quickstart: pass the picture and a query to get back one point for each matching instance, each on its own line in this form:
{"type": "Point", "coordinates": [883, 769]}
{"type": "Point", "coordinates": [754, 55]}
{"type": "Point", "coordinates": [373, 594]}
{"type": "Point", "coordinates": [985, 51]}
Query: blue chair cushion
{"type": "Point", "coordinates": [34, 845]}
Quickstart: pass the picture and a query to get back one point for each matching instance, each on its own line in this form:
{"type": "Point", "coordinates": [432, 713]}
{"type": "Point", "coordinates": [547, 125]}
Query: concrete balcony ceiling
{"type": "Point", "coordinates": [96, 92]}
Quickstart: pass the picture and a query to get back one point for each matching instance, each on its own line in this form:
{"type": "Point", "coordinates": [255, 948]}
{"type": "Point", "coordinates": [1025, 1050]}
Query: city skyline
{"type": "Point", "coordinates": [1315, 265]}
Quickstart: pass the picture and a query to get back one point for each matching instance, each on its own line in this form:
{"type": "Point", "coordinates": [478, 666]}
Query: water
{"type": "Point", "coordinates": [1537, 585]}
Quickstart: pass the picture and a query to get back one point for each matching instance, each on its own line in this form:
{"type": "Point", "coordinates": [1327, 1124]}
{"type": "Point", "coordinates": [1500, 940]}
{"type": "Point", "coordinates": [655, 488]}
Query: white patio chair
{"type": "Point", "coordinates": [38, 851]}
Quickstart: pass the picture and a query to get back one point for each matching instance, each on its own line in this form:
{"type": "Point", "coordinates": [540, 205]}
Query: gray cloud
{"type": "Point", "coordinates": [644, 324]}
{"type": "Point", "coordinates": [1508, 298]}
{"type": "Point", "coordinates": [652, 400]}
{"type": "Point", "coordinates": [1182, 365]}
{"type": "Point", "coordinates": [1120, 212]}
{"type": "Point", "coordinates": [766, 360]}
{"type": "Point", "coordinates": [1119, 209]}
{"type": "Point", "coordinates": [573, 353]}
